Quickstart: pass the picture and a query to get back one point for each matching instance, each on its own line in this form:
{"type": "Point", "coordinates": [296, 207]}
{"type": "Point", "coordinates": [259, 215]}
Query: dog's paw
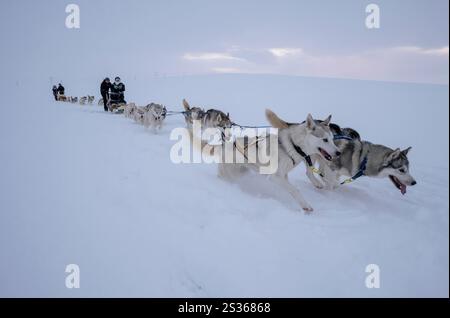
{"type": "Point", "coordinates": [319, 186]}
{"type": "Point", "coordinates": [308, 209]}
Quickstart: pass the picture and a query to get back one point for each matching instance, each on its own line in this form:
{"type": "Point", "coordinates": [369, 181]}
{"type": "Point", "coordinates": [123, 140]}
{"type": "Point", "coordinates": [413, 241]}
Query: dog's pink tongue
{"type": "Point", "coordinates": [403, 189]}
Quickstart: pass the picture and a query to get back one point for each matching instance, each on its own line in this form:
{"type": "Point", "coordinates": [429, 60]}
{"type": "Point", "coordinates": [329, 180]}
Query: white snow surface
{"type": "Point", "coordinates": [80, 186]}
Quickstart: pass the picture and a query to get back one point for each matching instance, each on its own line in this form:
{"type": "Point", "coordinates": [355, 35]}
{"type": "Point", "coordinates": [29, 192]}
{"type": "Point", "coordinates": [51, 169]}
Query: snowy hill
{"type": "Point", "coordinates": [95, 189]}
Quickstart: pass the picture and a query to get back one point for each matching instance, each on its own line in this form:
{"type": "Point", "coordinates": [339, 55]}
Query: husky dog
{"type": "Point", "coordinates": [74, 100]}
{"type": "Point", "coordinates": [359, 158]}
{"type": "Point", "coordinates": [154, 116]}
{"type": "Point", "coordinates": [100, 102]}
{"type": "Point", "coordinates": [90, 99]}
{"type": "Point", "coordinates": [192, 113]}
{"type": "Point", "coordinates": [129, 110]}
{"type": "Point", "coordinates": [212, 118]}
{"type": "Point", "coordinates": [83, 100]}
{"type": "Point", "coordinates": [295, 144]}
{"type": "Point", "coordinates": [138, 115]}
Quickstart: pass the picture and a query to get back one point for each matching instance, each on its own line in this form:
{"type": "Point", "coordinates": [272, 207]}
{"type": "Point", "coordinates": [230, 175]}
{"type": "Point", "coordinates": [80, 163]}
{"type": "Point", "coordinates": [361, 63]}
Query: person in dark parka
{"type": "Point", "coordinates": [104, 90]}
{"type": "Point", "coordinates": [55, 92]}
{"type": "Point", "coordinates": [117, 91]}
{"type": "Point", "coordinates": [61, 89]}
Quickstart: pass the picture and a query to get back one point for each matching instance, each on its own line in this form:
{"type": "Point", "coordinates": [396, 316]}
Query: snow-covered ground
{"type": "Point", "coordinates": [82, 186]}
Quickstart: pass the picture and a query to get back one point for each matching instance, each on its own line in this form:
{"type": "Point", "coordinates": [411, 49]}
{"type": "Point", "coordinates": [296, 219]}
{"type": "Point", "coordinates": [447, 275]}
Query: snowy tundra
{"type": "Point", "coordinates": [81, 186]}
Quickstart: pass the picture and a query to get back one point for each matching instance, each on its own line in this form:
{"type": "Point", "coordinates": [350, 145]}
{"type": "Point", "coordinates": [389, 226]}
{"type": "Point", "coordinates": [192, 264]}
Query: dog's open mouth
{"type": "Point", "coordinates": [325, 154]}
{"type": "Point", "coordinates": [398, 184]}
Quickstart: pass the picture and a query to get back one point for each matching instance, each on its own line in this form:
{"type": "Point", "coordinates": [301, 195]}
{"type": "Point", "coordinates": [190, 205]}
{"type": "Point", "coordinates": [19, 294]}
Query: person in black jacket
{"type": "Point", "coordinates": [104, 90]}
{"type": "Point", "coordinates": [117, 91]}
{"type": "Point", "coordinates": [55, 92]}
{"type": "Point", "coordinates": [60, 89]}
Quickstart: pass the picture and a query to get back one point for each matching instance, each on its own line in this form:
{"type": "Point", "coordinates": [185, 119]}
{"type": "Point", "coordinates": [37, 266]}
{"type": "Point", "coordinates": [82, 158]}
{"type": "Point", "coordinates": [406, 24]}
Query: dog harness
{"type": "Point", "coordinates": [342, 137]}
{"type": "Point", "coordinates": [248, 144]}
{"type": "Point", "coordinates": [360, 173]}
{"type": "Point", "coordinates": [307, 159]}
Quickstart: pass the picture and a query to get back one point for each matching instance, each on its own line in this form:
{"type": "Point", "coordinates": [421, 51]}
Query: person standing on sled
{"type": "Point", "coordinates": [55, 92]}
{"type": "Point", "coordinates": [104, 90]}
{"type": "Point", "coordinates": [117, 92]}
{"type": "Point", "coordinates": [60, 89]}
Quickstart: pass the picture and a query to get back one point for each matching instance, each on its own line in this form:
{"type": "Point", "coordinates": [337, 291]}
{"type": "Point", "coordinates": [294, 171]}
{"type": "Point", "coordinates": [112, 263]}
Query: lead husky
{"type": "Point", "coordinates": [360, 157]}
{"type": "Point", "coordinates": [294, 142]}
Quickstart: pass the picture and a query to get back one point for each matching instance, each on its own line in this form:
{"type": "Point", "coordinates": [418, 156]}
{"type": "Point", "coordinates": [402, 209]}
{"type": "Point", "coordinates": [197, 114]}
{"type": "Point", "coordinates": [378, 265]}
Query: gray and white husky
{"type": "Point", "coordinates": [129, 110]}
{"type": "Point", "coordinates": [138, 114]}
{"type": "Point", "coordinates": [311, 137]}
{"type": "Point", "coordinates": [90, 99]}
{"type": "Point", "coordinates": [360, 157]}
{"type": "Point", "coordinates": [212, 118]}
{"type": "Point", "coordinates": [192, 113]}
{"type": "Point", "coordinates": [154, 116]}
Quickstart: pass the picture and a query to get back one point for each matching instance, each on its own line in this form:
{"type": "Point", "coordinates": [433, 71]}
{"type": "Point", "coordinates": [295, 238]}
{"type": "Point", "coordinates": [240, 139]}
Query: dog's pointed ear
{"type": "Point", "coordinates": [394, 154]}
{"type": "Point", "coordinates": [310, 123]}
{"type": "Point", "coordinates": [327, 121]}
{"type": "Point", "coordinates": [186, 105]}
{"type": "Point", "coordinates": [228, 115]}
{"type": "Point", "coordinates": [219, 118]}
{"type": "Point", "coordinates": [406, 151]}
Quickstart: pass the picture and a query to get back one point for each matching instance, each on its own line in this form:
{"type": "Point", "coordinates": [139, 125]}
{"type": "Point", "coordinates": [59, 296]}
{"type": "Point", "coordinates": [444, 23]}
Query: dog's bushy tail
{"type": "Point", "coordinates": [186, 105]}
{"type": "Point", "coordinates": [275, 121]}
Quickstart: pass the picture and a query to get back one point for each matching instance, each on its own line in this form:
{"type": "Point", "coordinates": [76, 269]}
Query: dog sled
{"type": "Point", "coordinates": [116, 103]}
{"type": "Point", "coordinates": [61, 97]}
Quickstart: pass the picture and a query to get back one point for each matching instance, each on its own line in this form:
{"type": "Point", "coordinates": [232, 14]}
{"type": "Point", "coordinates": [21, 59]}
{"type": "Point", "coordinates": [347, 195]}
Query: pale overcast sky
{"type": "Point", "coordinates": [323, 38]}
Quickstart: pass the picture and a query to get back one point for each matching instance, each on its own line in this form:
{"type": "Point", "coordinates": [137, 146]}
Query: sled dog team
{"type": "Point", "coordinates": [328, 151]}
{"type": "Point", "coordinates": [338, 152]}
{"type": "Point", "coordinates": [70, 99]}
